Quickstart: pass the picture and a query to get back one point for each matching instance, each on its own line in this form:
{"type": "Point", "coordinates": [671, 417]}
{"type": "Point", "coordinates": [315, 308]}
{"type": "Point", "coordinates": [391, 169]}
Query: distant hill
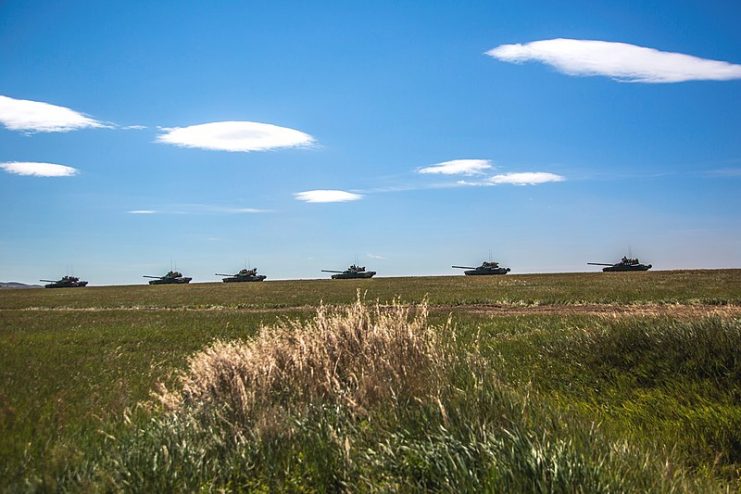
{"type": "Point", "coordinates": [13, 284]}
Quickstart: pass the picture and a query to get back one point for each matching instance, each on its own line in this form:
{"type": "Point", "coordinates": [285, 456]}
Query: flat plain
{"type": "Point", "coordinates": [650, 361]}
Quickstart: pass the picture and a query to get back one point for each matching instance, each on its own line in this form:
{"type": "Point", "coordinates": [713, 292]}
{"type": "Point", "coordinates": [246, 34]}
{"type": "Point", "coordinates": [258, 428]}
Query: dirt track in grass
{"type": "Point", "coordinates": [674, 310]}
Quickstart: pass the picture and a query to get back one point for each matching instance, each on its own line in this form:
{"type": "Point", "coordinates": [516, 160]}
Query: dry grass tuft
{"type": "Point", "coordinates": [355, 356]}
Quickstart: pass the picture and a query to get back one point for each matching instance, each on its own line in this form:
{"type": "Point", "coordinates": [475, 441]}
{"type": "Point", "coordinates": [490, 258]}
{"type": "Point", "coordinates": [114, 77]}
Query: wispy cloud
{"type": "Point", "coordinates": [725, 172]}
{"type": "Point", "coordinates": [200, 209]}
{"type": "Point", "coordinates": [457, 167]}
{"type": "Point", "coordinates": [327, 196]}
{"type": "Point", "coordinates": [238, 136]}
{"type": "Point", "coordinates": [36, 116]}
{"type": "Point", "coordinates": [374, 256]}
{"type": "Point", "coordinates": [520, 178]}
{"type": "Point", "coordinates": [465, 167]}
{"type": "Point", "coordinates": [38, 169]}
{"type": "Point", "coordinates": [232, 210]}
{"type": "Point", "coordinates": [621, 61]}
{"type": "Point", "coordinates": [133, 127]}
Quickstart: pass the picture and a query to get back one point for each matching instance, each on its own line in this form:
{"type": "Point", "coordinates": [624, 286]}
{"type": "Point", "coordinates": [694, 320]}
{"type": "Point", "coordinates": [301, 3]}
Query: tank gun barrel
{"type": "Point", "coordinates": [599, 264]}
{"type": "Point", "coordinates": [222, 274]}
{"type": "Point", "coordinates": [463, 267]}
{"type": "Point", "coordinates": [155, 277]}
{"type": "Point", "coordinates": [331, 271]}
{"type": "Point", "coordinates": [49, 281]}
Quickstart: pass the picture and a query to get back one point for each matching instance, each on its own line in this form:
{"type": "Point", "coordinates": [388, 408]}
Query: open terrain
{"type": "Point", "coordinates": [615, 382]}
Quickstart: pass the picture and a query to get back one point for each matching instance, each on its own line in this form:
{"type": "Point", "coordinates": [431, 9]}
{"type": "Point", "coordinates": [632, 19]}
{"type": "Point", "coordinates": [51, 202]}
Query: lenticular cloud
{"type": "Point", "coordinates": [327, 196]}
{"type": "Point", "coordinates": [237, 136]}
{"type": "Point", "coordinates": [621, 61]}
{"type": "Point", "coordinates": [38, 169]}
{"type": "Point", "coordinates": [36, 116]}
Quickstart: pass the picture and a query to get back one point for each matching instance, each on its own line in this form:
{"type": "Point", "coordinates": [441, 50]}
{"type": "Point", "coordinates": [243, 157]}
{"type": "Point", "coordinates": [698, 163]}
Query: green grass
{"type": "Point", "coordinates": [676, 383]}
{"type": "Point", "coordinates": [66, 374]}
{"type": "Point", "coordinates": [568, 387]}
{"type": "Point", "coordinates": [498, 433]}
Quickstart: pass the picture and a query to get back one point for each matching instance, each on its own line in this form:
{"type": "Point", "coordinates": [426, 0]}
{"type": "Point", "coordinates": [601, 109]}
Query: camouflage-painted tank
{"type": "Point", "coordinates": [486, 268]}
{"type": "Point", "coordinates": [625, 264]}
{"type": "Point", "coordinates": [171, 278]}
{"type": "Point", "coordinates": [244, 275]}
{"type": "Point", "coordinates": [66, 282]}
{"type": "Point", "coordinates": [351, 273]}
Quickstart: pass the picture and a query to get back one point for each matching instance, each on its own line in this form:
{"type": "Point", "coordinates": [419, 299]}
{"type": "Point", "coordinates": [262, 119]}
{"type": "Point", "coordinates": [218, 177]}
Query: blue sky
{"type": "Point", "coordinates": [577, 150]}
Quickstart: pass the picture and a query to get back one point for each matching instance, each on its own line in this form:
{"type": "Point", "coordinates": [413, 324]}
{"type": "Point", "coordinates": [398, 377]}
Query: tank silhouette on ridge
{"type": "Point", "coordinates": [625, 264]}
{"type": "Point", "coordinates": [66, 282]}
{"type": "Point", "coordinates": [171, 278]}
{"type": "Point", "coordinates": [353, 272]}
{"type": "Point", "coordinates": [243, 275]}
{"type": "Point", "coordinates": [486, 268]}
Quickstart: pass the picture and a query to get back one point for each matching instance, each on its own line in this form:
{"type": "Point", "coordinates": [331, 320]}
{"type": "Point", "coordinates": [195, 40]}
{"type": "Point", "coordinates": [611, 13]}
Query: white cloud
{"type": "Point", "coordinates": [327, 196]}
{"type": "Point", "coordinates": [230, 210]}
{"type": "Point", "coordinates": [200, 209]}
{"type": "Point", "coordinates": [621, 61]}
{"type": "Point", "coordinates": [521, 178]}
{"type": "Point", "coordinates": [525, 178]}
{"type": "Point", "coordinates": [457, 167]}
{"type": "Point", "coordinates": [235, 136]}
{"type": "Point", "coordinates": [374, 256]}
{"type": "Point", "coordinates": [247, 210]}
{"type": "Point", "coordinates": [38, 169]}
{"type": "Point", "coordinates": [35, 116]}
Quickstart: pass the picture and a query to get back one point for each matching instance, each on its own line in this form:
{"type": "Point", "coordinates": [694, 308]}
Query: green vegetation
{"type": "Point", "coordinates": [664, 287]}
{"type": "Point", "coordinates": [384, 400]}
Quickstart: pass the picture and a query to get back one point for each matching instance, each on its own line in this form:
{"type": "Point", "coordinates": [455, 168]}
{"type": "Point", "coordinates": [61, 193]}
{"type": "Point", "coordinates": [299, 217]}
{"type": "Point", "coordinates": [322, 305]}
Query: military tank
{"type": "Point", "coordinates": [486, 268]}
{"type": "Point", "coordinates": [351, 273]}
{"type": "Point", "coordinates": [243, 276]}
{"type": "Point", "coordinates": [625, 264]}
{"type": "Point", "coordinates": [66, 282]}
{"type": "Point", "coordinates": [171, 278]}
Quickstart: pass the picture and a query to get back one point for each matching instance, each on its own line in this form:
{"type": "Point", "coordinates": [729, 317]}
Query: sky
{"type": "Point", "coordinates": [406, 136]}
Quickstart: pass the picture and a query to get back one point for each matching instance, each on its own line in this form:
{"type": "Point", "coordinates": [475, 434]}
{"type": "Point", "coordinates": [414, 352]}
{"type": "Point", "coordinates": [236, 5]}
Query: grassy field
{"type": "Point", "coordinates": [663, 287]}
{"type": "Point", "coordinates": [629, 382]}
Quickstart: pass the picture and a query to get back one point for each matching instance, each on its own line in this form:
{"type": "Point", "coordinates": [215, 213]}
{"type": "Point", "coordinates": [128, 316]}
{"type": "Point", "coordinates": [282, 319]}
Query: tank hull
{"type": "Point", "coordinates": [79, 284]}
{"type": "Point", "coordinates": [626, 267]}
{"type": "Point", "coordinates": [171, 281]}
{"type": "Point", "coordinates": [486, 272]}
{"type": "Point", "coordinates": [353, 276]}
{"type": "Point", "coordinates": [243, 279]}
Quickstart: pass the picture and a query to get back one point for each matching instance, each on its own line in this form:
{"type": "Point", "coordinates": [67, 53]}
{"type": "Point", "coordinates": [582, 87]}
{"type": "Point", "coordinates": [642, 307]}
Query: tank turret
{"type": "Point", "coordinates": [171, 278]}
{"type": "Point", "coordinates": [66, 282]}
{"type": "Point", "coordinates": [353, 272]}
{"type": "Point", "coordinates": [244, 275]}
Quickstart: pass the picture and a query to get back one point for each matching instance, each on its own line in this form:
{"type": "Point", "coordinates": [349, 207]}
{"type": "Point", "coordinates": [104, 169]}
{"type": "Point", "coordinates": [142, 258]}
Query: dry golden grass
{"type": "Point", "coordinates": [355, 356]}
